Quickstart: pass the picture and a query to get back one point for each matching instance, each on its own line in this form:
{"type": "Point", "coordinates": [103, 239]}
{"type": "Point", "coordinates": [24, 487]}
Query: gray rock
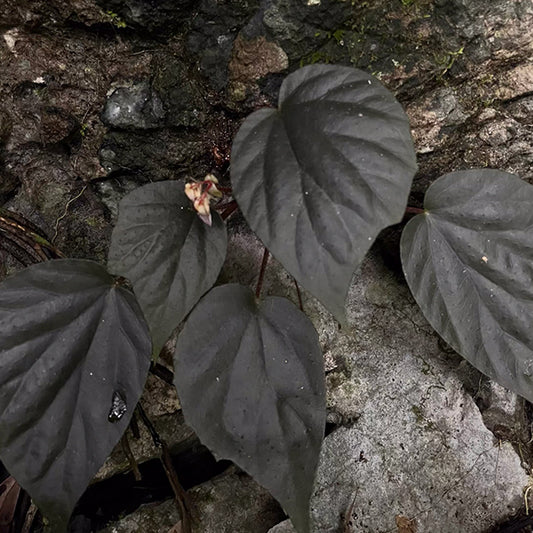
{"type": "Point", "coordinates": [213, 31]}
{"type": "Point", "coordinates": [253, 60]}
{"type": "Point", "coordinates": [137, 107]}
{"type": "Point", "coordinates": [282, 527]}
{"type": "Point", "coordinates": [295, 25]}
{"type": "Point", "coordinates": [232, 503]}
{"type": "Point", "coordinates": [412, 441]}
{"type": "Point", "coordinates": [59, 203]}
{"type": "Point", "coordinates": [160, 156]}
{"type": "Point", "coordinates": [501, 409]}
{"type": "Point", "coordinates": [5, 126]}
{"type": "Point", "coordinates": [182, 99]}
{"type": "Point", "coordinates": [164, 16]}
{"type": "Point", "coordinates": [150, 518]}
{"type": "Point", "coordinates": [112, 191]}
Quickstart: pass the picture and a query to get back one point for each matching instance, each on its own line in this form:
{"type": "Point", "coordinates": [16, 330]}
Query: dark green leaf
{"type": "Point", "coordinates": [69, 340]}
{"type": "Point", "coordinates": [251, 383]}
{"type": "Point", "coordinates": [166, 251]}
{"type": "Point", "coordinates": [320, 177]}
{"type": "Point", "coordinates": [469, 263]}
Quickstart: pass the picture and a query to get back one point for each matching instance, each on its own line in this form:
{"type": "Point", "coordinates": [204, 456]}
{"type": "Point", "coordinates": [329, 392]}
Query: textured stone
{"type": "Point", "coordinates": [161, 17]}
{"type": "Point", "coordinates": [412, 440]}
{"type": "Point", "coordinates": [137, 107]}
{"type": "Point", "coordinates": [161, 156]}
{"type": "Point", "coordinates": [282, 527]}
{"type": "Point", "coordinates": [182, 99]}
{"type": "Point", "coordinates": [151, 518]}
{"type": "Point", "coordinates": [464, 68]}
{"type": "Point", "coordinates": [213, 31]}
{"type": "Point", "coordinates": [231, 503]}
{"type": "Point", "coordinates": [251, 61]}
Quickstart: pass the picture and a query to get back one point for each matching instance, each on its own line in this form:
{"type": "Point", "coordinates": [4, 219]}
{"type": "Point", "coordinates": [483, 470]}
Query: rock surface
{"type": "Point", "coordinates": [232, 503]}
{"type": "Point", "coordinates": [136, 107]}
{"type": "Point", "coordinates": [417, 430]}
{"type": "Point", "coordinates": [412, 441]}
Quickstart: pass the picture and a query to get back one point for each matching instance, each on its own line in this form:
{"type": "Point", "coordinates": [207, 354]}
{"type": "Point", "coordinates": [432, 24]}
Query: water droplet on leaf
{"type": "Point", "coordinates": [118, 407]}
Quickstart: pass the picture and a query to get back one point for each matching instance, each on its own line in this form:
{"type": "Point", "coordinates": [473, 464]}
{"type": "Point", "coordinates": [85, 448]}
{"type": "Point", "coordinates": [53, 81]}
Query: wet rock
{"type": "Point", "coordinates": [213, 31]}
{"type": "Point", "coordinates": [283, 527]}
{"type": "Point", "coordinates": [438, 112]}
{"type": "Point", "coordinates": [8, 185]}
{"type": "Point", "coordinates": [182, 99]}
{"type": "Point", "coordinates": [294, 26]}
{"type": "Point", "coordinates": [160, 156]}
{"type": "Point", "coordinates": [137, 107]}
{"type": "Point", "coordinates": [150, 518]}
{"type": "Point", "coordinates": [8, 181]}
{"type": "Point", "coordinates": [59, 127]}
{"type": "Point", "coordinates": [6, 126]}
{"type": "Point", "coordinates": [412, 440]}
{"type": "Point", "coordinates": [232, 503]}
{"type": "Point", "coordinates": [164, 16]}
{"type": "Point", "coordinates": [518, 82]}
{"type": "Point", "coordinates": [497, 134]}
{"type": "Point", "coordinates": [63, 206]}
{"type": "Point", "coordinates": [112, 191]}
{"type": "Point", "coordinates": [503, 411]}
{"type": "Point", "coordinates": [251, 61]}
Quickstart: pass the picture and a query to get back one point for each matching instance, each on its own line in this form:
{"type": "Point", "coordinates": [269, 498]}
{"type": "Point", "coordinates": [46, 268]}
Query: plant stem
{"type": "Point", "coordinates": [413, 210]}
{"type": "Point", "coordinates": [125, 443]}
{"type": "Point", "coordinates": [229, 209]}
{"type": "Point", "coordinates": [300, 302]}
{"type": "Point", "coordinates": [162, 372]}
{"type": "Point", "coordinates": [31, 513]}
{"type": "Point", "coordinates": [24, 240]}
{"type": "Point", "coordinates": [134, 426]}
{"type": "Point", "coordinates": [259, 286]}
{"type": "Point", "coordinates": [180, 495]}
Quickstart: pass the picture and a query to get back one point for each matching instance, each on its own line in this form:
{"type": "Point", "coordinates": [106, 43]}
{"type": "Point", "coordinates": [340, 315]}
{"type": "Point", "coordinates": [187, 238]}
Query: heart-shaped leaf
{"type": "Point", "coordinates": [70, 339]}
{"type": "Point", "coordinates": [168, 253]}
{"type": "Point", "coordinates": [468, 261]}
{"type": "Point", "coordinates": [251, 383]}
{"type": "Point", "coordinates": [320, 177]}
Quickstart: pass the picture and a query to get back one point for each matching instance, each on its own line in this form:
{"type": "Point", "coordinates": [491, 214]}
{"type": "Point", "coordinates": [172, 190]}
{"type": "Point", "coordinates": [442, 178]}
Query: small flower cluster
{"type": "Point", "coordinates": [201, 193]}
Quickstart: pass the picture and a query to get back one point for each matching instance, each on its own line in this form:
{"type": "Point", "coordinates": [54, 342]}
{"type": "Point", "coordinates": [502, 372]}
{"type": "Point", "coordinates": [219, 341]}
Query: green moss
{"type": "Point", "coordinates": [417, 411]}
{"type": "Point", "coordinates": [115, 20]}
{"type": "Point", "coordinates": [94, 222]}
{"type": "Point", "coordinates": [446, 60]}
{"type": "Point", "coordinates": [428, 425]}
